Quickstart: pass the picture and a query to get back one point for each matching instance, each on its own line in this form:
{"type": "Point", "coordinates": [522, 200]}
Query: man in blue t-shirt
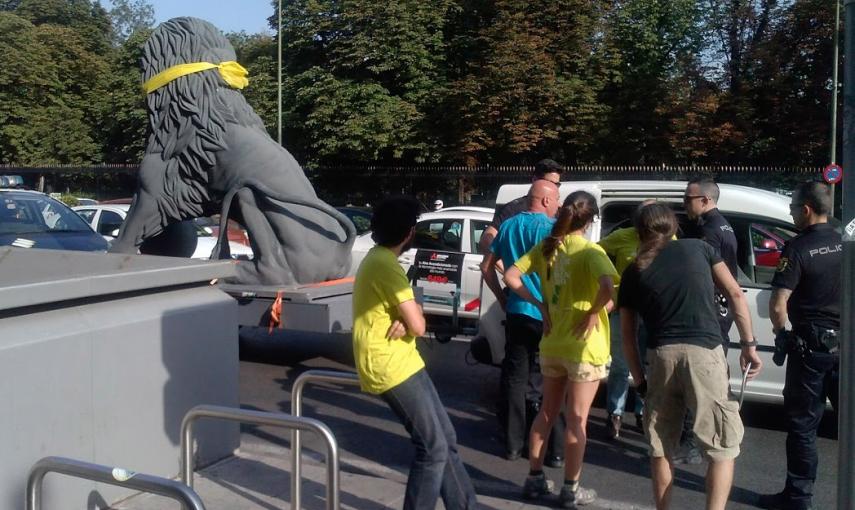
{"type": "Point", "coordinates": [523, 326]}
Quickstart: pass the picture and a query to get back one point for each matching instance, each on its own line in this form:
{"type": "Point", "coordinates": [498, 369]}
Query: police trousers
{"type": "Point", "coordinates": [809, 381]}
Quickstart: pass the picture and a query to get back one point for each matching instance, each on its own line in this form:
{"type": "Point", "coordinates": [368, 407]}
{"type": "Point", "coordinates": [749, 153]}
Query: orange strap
{"type": "Point", "coordinates": [275, 313]}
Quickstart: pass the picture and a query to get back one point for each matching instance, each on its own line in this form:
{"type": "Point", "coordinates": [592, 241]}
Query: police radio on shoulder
{"type": "Point", "coordinates": [748, 343]}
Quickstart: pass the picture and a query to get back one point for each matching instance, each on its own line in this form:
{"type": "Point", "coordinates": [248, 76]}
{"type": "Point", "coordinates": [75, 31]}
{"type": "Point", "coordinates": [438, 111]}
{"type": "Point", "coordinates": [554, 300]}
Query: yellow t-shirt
{"type": "Point", "coordinates": [569, 291]}
{"type": "Point", "coordinates": [622, 245]}
{"type": "Point", "coordinates": [380, 286]}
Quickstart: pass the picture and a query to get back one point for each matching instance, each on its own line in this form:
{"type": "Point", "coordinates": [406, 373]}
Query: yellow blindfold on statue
{"type": "Point", "coordinates": [233, 73]}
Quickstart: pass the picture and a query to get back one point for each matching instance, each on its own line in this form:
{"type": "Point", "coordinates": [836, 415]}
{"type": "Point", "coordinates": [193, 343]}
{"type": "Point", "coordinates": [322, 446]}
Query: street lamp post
{"type": "Point", "coordinates": [279, 77]}
{"type": "Point", "coordinates": [846, 425]}
{"type": "Point", "coordinates": [834, 83]}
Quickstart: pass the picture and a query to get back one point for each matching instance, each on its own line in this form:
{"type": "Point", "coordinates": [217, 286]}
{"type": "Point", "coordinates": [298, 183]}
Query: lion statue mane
{"type": "Point", "coordinates": [208, 152]}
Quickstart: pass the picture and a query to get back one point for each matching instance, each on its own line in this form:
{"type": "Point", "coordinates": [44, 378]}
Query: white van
{"type": "Point", "coordinates": [762, 223]}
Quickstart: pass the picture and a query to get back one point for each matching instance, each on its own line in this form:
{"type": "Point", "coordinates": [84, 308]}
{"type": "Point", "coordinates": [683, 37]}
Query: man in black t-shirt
{"type": "Point", "coordinates": [688, 369]}
{"type": "Point", "coordinates": [807, 293]}
{"type": "Point", "coordinates": [549, 170]}
{"type": "Point", "coordinates": [546, 169]}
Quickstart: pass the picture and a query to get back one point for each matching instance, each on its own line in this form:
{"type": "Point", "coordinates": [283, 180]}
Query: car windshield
{"type": "Point", "coordinates": [34, 214]}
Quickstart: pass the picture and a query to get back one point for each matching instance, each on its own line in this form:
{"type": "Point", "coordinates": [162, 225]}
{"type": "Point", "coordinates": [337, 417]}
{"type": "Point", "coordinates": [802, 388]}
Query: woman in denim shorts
{"type": "Point", "coordinates": [578, 281]}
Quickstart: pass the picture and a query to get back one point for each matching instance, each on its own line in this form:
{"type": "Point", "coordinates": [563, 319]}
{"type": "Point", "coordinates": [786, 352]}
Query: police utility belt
{"type": "Point", "coordinates": [804, 341]}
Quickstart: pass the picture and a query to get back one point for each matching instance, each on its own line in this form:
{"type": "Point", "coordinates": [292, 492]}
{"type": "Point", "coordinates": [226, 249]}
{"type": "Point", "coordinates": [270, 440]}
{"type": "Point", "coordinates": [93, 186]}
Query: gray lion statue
{"type": "Point", "coordinates": [208, 152]}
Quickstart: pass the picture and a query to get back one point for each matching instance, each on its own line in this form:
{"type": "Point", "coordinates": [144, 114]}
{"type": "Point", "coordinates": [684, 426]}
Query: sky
{"type": "Point", "coordinates": [227, 15]}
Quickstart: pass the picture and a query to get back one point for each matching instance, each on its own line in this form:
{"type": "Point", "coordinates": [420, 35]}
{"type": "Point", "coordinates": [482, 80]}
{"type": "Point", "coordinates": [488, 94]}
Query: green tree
{"type": "Point", "coordinates": [88, 19]}
{"type": "Point", "coordinates": [47, 83]}
{"type": "Point", "coordinates": [257, 52]}
{"type": "Point", "coordinates": [123, 115]}
{"type": "Point", "coordinates": [655, 46]}
{"type": "Point", "coordinates": [129, 16]}
{"type": "Point", "coordinates": [790, 90]}
{"type": "Point", "coordinates": [360, 77]}
{"type": "Point", "coordinates": [525, 78]}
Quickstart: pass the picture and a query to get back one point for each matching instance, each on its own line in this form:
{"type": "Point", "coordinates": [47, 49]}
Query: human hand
{"type": "Point", "coordinates": [396, 330]}
{"type": "Point", "coordinates": [547, 322]}
{"type": "Point", "coordinates": [749, 355]}
{"type": "Point", "coordinates": [590, 322]}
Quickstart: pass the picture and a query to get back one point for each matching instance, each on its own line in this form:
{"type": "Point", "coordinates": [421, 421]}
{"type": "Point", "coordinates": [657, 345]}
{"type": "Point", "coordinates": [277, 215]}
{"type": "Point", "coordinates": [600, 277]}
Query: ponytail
{"type": "Point", "coordinates": [577, 212]}
{"type": "Point", "coordinates": [656, 225]}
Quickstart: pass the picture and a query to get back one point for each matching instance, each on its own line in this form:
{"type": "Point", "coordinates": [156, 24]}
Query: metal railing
{"type": "Point", "coordinates": [109, 475]}
{"type": "Point", "coordinates": [295, 423]}
{"type": "Point", "coordinates": [297, 411]}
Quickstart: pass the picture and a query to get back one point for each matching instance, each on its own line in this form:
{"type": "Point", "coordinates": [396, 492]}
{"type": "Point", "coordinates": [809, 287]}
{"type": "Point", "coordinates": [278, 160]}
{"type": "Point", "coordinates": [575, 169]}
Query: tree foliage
{"type": "Point", "coordinates": [451, 81]}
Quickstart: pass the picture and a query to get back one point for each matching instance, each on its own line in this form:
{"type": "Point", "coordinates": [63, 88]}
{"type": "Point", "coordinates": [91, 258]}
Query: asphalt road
{"type": "Point", "coordinates": [367, 431]}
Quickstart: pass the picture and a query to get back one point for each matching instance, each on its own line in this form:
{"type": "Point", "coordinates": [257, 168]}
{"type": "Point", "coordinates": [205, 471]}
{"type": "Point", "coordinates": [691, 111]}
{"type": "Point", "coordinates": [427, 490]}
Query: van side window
{"type": "Point", "coordinates": [616, 215]}
{"type": "Point", "coordinates": [760, 245]}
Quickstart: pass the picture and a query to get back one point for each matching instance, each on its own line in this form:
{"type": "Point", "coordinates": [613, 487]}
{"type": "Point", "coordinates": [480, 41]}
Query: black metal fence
{"type": "Point", "coordinates": [364, 184]}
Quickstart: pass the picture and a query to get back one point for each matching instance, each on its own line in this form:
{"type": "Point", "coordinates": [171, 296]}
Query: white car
{"type": "Point", "coordinates": [761, 222]}
{"type": "Point", "coordinates": [106, 219]}
{"type": "Point", "coordinates": [455, 229]}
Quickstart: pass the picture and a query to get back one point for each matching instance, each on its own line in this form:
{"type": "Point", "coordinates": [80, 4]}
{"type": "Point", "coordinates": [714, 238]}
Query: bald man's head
{"type": "Point", "coordinates": [543, 197]}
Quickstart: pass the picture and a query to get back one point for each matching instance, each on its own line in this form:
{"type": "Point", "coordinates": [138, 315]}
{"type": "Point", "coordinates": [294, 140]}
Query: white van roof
{"type": "Point", "coordinates": [734, 198]}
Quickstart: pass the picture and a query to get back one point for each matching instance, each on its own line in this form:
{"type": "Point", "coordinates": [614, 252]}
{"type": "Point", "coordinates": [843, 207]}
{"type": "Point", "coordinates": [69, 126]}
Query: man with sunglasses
{"type": "Point", "coordinates": [806, 292]}
{"type": "Point", "coordinates": [708, 224]}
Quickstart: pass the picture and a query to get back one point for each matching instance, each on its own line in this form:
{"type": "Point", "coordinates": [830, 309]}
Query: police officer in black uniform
{"type": "Point", "coordinates": [807, 291]}
{"type": "Point", "coordinates": [701, 203]}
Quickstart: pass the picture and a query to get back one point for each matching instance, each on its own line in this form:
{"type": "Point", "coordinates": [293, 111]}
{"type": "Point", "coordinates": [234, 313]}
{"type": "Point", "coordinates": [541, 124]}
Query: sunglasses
{"type": "Point", "coordinates": [689, 198]}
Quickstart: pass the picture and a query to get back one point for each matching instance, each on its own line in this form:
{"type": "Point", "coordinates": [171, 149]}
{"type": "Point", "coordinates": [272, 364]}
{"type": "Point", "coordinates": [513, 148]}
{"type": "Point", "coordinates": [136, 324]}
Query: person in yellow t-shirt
{"type": "Point", "coordinates": [622, 246]}
{"type": "Point", "coordinates": [577, 280]}
{"type": "Point", "coordinates": [386, 322]}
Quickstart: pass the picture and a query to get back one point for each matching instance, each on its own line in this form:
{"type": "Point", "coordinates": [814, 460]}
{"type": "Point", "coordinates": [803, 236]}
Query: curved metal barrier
{"type": "Point", "coordinates": [263, 418]}
{"type": "Point", "coordinates": [297, 411]}
{"type": "Point", "coordinates": [109, 475]}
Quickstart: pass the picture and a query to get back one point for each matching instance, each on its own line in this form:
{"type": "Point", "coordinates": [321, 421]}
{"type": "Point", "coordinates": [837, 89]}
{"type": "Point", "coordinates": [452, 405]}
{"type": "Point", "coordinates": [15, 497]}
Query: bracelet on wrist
{"type": "Point", "coordinates": [748, 343]}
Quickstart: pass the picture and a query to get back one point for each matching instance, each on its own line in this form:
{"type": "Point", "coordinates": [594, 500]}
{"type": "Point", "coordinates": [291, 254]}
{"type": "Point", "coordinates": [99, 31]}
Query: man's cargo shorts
{"type": "Point", "coordinates": [683, 376]}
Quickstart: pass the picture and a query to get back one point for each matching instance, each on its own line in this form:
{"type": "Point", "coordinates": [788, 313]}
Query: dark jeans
{"type": "Point", "coordinates": [436, 469]}
{"type": "Point", "coordinates": [521, 372]}
{"type": "Point", "coordinates": [809, 381]}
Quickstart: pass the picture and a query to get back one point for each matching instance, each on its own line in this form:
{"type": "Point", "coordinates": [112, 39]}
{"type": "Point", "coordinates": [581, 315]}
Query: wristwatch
{"type": "Point", "coordinates": [748, 343]}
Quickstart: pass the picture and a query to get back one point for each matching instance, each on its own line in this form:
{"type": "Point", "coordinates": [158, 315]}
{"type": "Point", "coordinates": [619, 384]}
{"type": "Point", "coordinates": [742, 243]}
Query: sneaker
{"type": "Point", "coordinates": [537, 486]}
{"type": "Point", "coordinates": [580, 497]}
{"type": "Point", "coordinates": [613, 426]}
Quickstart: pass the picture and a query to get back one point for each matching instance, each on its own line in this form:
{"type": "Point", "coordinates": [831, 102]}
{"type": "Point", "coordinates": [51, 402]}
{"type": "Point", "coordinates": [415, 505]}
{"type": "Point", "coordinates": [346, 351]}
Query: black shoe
{"type": "Point", "coordinates": [613, 423]}
{"type": "Point", "coordinates": [688, 454]}
{"type": "Point", "coordinates": [514, 455]}
{"type": "Point", "coordinates": [554, 461]}
{"type": "Point", "coordinates": [778, 501]}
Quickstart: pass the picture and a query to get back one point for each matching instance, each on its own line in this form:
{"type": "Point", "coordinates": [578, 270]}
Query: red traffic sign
{"type": "Point", "coordinates": [832, 173]}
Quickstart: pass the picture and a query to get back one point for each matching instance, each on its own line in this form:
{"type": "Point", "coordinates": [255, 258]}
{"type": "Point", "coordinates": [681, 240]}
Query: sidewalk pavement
{"type": "Point", "coordinates": [257, 477]}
